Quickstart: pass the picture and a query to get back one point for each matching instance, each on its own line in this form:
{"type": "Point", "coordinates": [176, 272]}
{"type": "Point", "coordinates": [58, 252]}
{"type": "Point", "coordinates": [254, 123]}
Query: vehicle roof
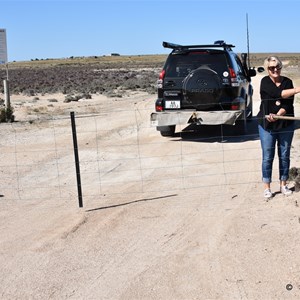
{"type": "Point", "coordinates": [202, 50]}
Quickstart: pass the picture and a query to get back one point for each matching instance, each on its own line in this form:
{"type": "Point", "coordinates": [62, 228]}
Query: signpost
{"type": "Point", "coordinates": [3, 47]}
{"type": "Point", "coordinates": [3, 60]}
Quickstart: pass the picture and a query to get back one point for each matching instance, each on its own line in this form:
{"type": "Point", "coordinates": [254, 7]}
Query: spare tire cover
{"type": "Point", "coordinates": [202, 89]}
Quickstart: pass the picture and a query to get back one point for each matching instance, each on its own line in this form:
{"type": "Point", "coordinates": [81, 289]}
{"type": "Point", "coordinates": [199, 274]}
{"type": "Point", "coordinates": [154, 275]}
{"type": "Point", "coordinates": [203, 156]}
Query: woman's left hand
{"type": "Point", "coordinates": [271, 118]}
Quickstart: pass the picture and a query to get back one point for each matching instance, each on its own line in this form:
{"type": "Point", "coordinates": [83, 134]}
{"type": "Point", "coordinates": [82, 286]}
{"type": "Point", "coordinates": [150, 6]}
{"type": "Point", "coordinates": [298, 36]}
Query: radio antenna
{"type": "Point", "coordinates": [248, 41]}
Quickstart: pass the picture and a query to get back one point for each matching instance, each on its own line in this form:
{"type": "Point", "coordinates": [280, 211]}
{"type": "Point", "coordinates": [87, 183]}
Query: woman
{"type": "Point", "coordinates": [277, 98]}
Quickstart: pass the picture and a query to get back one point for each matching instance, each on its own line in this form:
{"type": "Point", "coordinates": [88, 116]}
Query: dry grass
{"type": "Point", "coordinates": [132, 61]}
{"type": "Point", "coordinates": [101, 61]}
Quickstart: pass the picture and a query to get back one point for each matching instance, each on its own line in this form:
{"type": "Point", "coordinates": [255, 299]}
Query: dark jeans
{"type": "Point", "coordinates": [268, 139]}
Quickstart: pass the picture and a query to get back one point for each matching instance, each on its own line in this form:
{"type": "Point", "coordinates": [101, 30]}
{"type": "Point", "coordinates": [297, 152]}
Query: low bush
{"type": "Point", "coordinates": [6, 115]}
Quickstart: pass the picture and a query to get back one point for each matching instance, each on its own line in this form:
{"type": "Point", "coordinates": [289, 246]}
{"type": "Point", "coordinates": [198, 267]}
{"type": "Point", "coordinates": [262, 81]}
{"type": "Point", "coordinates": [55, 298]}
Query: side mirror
{"type": "Point", "coordinates": [260, 69]}
{"type": "Point", "coordinates": [252, 72]}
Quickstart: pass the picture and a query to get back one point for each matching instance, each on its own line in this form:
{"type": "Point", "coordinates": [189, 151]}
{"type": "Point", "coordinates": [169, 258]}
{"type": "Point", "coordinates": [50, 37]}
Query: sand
{"type": "Point", "coordinates": [166, 218]}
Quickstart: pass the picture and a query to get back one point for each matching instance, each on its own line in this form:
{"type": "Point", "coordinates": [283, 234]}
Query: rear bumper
{"type": "Point", "coordinates": [168, 118]}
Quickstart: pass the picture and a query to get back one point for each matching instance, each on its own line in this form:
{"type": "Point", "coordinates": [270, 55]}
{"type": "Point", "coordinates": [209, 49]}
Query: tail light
{"type": "Point", "coordinates": [158, 108]}
{"type": "Point", "coordinates": [232, 73]}
{"type": "Point", "coordinates": [161, 79]}
{"type": "Point", "coordinates": [159, 105]}
{"type": "Point", "coordinates": [162, 74]}
{"type": "Point", "coordinates": [235, 106]}
{"type": "Point", "coordinates": [234, 80]}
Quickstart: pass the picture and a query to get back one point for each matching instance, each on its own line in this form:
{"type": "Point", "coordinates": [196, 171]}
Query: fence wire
{"type": "Point", "coordinates": [120, 153]}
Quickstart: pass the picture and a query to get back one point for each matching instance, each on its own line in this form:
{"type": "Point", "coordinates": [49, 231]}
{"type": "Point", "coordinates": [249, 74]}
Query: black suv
{"type": "Point", "coordinates": [205, 85]}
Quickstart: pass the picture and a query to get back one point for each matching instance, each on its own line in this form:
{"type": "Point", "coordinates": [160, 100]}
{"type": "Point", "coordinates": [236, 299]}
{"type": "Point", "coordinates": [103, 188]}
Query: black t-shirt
{"type": "Point", "coordinates": [271, 102]}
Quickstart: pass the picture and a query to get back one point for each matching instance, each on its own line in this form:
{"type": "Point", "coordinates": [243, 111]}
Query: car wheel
{"type": "Point", "coordinates": [241, 127]}
{"type": "Point", "coordinates": [167, 130]}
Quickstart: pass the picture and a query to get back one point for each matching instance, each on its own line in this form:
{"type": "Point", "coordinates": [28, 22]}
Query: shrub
{"type": "Point", "coordinates": [6, 115]}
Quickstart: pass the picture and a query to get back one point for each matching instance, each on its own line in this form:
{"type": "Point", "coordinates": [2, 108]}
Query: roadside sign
{"type": "Point", "coordinates": [3, 47]}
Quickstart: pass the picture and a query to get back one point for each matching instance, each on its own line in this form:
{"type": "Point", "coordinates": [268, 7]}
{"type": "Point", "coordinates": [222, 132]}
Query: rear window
{"type": "Point", "coordinates": [180, 65]}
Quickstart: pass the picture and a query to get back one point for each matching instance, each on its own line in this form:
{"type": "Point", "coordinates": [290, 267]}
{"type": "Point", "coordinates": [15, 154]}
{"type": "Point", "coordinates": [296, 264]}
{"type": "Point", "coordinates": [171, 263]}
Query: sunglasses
{"type": "Point", "coordinates": [273, 68]}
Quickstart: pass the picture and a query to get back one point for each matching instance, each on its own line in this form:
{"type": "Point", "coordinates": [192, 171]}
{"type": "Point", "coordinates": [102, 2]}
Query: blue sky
{"type": "Point", "coordinates": [63, 28]}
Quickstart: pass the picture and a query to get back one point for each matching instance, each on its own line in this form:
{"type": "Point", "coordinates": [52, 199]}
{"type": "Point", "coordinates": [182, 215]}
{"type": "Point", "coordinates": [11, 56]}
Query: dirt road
{"type": "Point", "coordinates": [179, 218]}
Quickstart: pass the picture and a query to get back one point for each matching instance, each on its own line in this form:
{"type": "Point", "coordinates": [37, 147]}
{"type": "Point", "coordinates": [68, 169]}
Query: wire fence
{"type": "Point", "coordinates": [121, 154]}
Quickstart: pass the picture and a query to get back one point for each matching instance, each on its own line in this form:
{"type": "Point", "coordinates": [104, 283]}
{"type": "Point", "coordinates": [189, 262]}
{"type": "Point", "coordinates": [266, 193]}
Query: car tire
{"type": "Point", "coordinates": [167, 130]}
{"type": "Point", "coordinates": [202, 89]}
{"type": "Point", "coordinates": [241, 127]}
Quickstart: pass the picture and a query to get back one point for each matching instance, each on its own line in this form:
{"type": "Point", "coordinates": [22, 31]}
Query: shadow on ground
{"type": "Point", "coordinates": [221, 133]}
{"type": "Point", "coordinates": [218, 133]}
{"type": "Point", "coordinates": [131, 202]}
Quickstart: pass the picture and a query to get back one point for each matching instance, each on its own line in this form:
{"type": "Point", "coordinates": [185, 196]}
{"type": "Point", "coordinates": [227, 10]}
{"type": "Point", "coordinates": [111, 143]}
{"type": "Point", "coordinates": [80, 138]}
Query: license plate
{"type": "Point", "coordinates": [173, 104]}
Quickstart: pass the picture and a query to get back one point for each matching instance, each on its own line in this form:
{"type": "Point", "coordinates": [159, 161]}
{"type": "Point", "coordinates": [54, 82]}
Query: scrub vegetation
{"type": "Point", "coordinates": [107, 75]}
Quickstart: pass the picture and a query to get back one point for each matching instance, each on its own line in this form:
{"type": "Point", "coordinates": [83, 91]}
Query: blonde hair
{"type": "Point", "coordinates": [272, 58]}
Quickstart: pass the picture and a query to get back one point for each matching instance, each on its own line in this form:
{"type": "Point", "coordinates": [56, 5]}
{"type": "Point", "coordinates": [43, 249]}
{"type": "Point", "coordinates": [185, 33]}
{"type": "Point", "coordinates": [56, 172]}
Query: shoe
{"type": "Point", "coordinates": [268, 193]}
{"type": "Point", "coordinates": [285, 190]}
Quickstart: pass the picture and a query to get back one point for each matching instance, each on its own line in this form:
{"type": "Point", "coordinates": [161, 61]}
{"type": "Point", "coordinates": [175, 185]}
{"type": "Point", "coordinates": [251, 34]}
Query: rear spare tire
{"type": "Point", "coordinates": [202, 89]}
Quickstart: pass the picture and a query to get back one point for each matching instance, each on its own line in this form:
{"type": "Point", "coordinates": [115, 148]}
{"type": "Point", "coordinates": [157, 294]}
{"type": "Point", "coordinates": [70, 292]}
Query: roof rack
{"type": "Point", "coordinates": [217, 44]}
